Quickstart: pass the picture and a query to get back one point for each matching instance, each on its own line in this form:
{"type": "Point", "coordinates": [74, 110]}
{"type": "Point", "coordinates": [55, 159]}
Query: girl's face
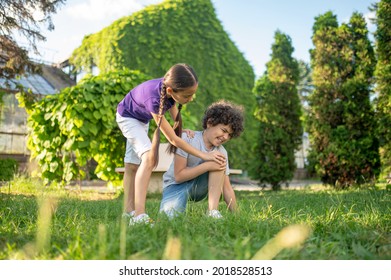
{"type": "Point", "coordinates": [184, 96]}
{"type": "Point", "coordinates": [217, 135]}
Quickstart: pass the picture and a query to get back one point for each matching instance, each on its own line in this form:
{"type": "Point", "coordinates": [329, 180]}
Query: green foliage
{"type": "Point", "coordinates": [279, 114]}
{"type": "Point", "coordinates": [174, 31]}
{"type": "Point", "coordinates": [19, 22]}
{"type": "Point", "coordinates": [69, 129]}
{"type": "Point", "coordinates": [341, 118]}
{"type": "Point", "coordinates": [327, 20]}
{"type": "Point", "coordinates": [383, 81]}
{"type": "Point", "coordinates": [2, 93]}
{"type": "Point", "coordinates": [8, 168]}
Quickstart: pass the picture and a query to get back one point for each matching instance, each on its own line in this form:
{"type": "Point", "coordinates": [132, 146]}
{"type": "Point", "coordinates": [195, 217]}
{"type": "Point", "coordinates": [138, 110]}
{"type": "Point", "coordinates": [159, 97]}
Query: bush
{"type": "Point", "coordinates": [341, 120]}
{"type": "Point", "coordinates": [70, 129]}
{"type": "Point", "coordinates": [8, 168]}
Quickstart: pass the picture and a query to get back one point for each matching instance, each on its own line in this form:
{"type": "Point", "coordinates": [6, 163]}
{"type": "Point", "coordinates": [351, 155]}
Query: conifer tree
{"type": "Point", "coordinates": [383, 81]}
{"type": "Point", "coordinates": [341, 118]}
{"type": "Point", "coordinates": [279, 114]}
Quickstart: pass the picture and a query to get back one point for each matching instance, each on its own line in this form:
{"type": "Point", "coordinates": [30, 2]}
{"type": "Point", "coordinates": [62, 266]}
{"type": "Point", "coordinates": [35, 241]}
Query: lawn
{"type": "Point", "coordinates": [323, 224]}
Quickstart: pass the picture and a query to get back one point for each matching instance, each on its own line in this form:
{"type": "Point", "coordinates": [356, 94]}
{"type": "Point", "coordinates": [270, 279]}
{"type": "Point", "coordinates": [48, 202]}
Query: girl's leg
{"type": "Point", "coordinates": [137, 148]}
{"type": "Point", "coordinates": [128, 182]}
{"type": "Point", "coordinates": [142, 178]}
{"type": "Point", "coordinates": [215, 183]}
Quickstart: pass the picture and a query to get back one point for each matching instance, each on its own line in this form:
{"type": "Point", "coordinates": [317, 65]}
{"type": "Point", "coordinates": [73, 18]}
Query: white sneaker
{"type": "Point", "coordinates": [128, 215]}
{"type": "Point", "coordinates": [215, 214]}
{"type": "Point", "coordinates": [141, 219]}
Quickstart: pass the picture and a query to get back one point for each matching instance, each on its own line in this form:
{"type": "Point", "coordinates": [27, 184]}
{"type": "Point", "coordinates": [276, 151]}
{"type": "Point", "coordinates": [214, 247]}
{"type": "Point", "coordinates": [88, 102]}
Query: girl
{"type": "Point", "coordinates": [150, 100]}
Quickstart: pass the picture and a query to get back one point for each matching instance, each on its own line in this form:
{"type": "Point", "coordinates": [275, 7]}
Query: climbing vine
{"type": "Point", "coordinates": [69, 129]}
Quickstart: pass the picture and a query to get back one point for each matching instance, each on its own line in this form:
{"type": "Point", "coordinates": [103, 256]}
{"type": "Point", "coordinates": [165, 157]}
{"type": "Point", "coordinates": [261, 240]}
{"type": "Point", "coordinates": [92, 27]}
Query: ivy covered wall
{"type": "Point", "coordinates": [188, 31]}
{"type": "Point", "coordinates": [69, 129]}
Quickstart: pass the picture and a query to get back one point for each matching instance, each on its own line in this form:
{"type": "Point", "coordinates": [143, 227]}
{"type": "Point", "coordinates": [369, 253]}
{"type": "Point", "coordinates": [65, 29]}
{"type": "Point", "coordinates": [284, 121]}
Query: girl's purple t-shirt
{"type": "Point", "coordinates": [142, 100]}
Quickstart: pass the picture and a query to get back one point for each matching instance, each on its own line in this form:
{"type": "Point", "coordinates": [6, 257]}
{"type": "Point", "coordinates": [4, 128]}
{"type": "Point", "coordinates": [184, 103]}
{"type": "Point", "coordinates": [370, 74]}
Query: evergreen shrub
{"type": "Point", "coordinates": [8, 168]}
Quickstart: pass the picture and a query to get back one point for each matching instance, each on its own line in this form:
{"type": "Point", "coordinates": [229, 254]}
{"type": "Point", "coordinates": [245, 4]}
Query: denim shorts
{"type": "Point", "coordinates": [175, 196]}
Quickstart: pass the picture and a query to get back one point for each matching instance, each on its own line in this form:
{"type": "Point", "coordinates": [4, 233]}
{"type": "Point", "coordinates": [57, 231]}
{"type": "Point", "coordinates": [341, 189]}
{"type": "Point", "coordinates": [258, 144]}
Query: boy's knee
{"type": "Point", "coordinates": [171, 212]}
{"type": "Point", "coordinates": [173, 201]}
{"type": "Point", "coordinates": [217, 173]}
{"type": "Point", "coordinates": [171, 208]}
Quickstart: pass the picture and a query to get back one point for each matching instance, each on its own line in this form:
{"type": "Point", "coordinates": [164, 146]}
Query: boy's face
{"type": "Point", "coordinates": [217, 135]}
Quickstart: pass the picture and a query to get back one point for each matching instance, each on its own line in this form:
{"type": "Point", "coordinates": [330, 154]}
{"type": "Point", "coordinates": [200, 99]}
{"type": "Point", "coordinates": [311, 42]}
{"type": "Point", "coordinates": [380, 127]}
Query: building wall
{"type": "Point", "coordinates": [13, 129]}
{"type": "Point", "coordinates": [301, 158]}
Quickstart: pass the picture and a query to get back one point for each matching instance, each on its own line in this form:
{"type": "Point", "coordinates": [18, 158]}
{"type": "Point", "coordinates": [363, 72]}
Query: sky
{"type": "Point", "coordinates": [251, 24]}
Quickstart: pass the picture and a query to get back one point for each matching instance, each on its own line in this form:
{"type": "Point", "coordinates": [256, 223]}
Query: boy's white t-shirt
{"type": "Point", "coordinates": [192, 161]}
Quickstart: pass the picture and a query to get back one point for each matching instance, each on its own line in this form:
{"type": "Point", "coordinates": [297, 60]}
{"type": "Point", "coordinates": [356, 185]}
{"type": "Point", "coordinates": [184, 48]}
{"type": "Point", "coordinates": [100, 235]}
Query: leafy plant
{"type": "Point", "coordinates": [69, 129]}
{"type": "Point", "coordinates": [8, 168]}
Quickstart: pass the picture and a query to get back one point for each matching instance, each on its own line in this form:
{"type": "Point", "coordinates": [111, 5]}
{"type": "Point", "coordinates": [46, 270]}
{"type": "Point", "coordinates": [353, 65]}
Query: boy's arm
{"type": "Point", "coordinates": [229, 194]}
{"type": "Point", "coordinates": [182, 173]}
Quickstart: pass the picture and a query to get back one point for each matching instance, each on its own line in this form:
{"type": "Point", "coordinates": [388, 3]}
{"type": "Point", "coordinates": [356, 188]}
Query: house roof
{"type": "Point", "coordinates": [50, 81]}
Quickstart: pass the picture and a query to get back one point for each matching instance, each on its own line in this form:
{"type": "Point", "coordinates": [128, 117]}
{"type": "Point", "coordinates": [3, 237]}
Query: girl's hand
{"type": "Point", "coordinates": [213, 166]}
{"type": "Point", "coordinates": [215, 156]}
{"type": "Point", "coordinates": [189, 133]}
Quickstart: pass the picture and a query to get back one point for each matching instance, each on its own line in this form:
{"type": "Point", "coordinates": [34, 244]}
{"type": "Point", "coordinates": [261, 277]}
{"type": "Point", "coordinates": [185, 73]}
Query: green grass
{"type": "Point", "coordinates": [351, 225]}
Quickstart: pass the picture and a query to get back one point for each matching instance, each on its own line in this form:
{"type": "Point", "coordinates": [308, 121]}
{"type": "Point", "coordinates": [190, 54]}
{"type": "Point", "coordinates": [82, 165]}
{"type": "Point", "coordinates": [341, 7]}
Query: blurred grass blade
{"type": "Point", "coordinates": [173, 249]}
{"type": "Point", "coordinates": [102, 241]}
{"type": "Point", "coordinates": [46, 210]}
{"type": "Point", "coordinates": [289, 237]}
{"type": "Point", "coordinates": [122, 239]}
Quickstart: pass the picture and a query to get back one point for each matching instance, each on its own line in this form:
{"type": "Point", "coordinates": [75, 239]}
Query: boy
{"type": "Point", "coordinates": [191, 178]}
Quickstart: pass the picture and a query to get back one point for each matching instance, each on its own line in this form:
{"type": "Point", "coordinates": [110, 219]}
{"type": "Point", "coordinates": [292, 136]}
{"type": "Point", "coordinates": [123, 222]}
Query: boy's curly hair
{"type": "Point", "coordinates": [227, 113]}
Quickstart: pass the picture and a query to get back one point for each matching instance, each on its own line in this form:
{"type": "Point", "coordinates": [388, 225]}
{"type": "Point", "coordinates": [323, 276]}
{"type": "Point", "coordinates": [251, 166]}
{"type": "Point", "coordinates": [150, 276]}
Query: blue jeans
{"type": "Point", "coordinates": [175, 196]}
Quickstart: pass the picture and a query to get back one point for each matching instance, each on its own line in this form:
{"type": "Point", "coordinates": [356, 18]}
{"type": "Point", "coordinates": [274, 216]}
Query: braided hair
{"type": "Point", "coordinates": [179, 77]}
